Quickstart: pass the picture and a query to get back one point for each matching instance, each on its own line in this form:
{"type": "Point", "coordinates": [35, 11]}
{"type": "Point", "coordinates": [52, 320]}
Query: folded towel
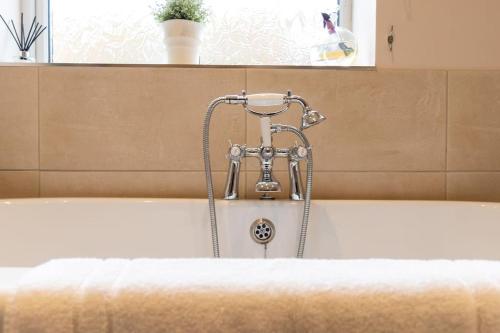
{"type": "Point", "coordinates": [5, 295]}
{"type": "Point", "coordinates": [483, 280]}
{"type": "Point", "coordinates": [286, 295]}
{"type": "Point", "coordinates": [9, 276]}
{"type": "Point", "coordinates": [46, 296]}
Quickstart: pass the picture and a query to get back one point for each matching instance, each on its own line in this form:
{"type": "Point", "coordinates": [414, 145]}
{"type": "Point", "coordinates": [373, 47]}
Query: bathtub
{"type": "Point", "coordinates": [34, 231]}
{"type": "Point", "coordinates": [37, 230]}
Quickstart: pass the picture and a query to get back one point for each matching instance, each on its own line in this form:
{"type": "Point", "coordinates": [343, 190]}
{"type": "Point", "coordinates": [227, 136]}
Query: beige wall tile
{"type": "Point", "coordinates": [378, 120]}
{"type": "Point", "coordinates": [387, 120]}
{"type": "Point", "coordinates": [128, 184]}
{"type": "Point", "coordinates": [18, 184]}
{"type": "Point", "coordinates": [380, 185]}
{"type": "Point", "coordinates": [366, 185]}
{"type": "Point", "coordinates": [474, 186]}
{"type": "Point", "coordinates": [474, 120]}
{"type": "Point", "coordinates": [120, 118]}
{"type": "Point", "coordinates": [18, 118]}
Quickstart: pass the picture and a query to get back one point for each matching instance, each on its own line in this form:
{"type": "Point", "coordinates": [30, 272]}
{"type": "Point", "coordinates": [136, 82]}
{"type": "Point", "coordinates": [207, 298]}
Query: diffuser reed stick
{"type": "Point", "coordinates": [24, 41]}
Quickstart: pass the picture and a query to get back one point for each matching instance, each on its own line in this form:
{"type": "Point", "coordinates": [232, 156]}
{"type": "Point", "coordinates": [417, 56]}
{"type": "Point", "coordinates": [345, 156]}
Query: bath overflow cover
{"type": "Point", "coordinates": [262, 231]}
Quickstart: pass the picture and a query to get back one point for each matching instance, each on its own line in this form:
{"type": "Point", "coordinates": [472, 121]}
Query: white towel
{"type": "Point", "coordinates": [286, 295]}
{"type": "Point", "coordinates": [483, 280]}
{"type": "Point", "coordinates": [46, 297]}
{"type": "Point", "coordinates": [9, 276]}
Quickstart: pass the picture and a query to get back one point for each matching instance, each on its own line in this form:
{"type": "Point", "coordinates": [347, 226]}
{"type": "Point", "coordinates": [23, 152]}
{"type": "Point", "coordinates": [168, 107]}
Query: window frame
{"type": "Point", "coordinates": [346, 13]}
{"type": "Point", "coordinates": [40, 9]}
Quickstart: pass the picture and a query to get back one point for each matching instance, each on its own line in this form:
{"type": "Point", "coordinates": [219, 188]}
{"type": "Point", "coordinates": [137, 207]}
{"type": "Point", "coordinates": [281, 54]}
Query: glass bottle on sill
{"type": "Point", "coordinates": [338, 48]}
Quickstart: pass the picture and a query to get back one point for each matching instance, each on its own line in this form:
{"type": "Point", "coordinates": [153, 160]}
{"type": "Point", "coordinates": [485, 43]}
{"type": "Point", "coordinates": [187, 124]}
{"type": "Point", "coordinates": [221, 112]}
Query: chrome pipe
{"type": "Point", "coordinates": [231, 190]}
{"type": "Point", "coordinates": [296, 155]}
{"type": "Point", "coordinates": [296, 188]}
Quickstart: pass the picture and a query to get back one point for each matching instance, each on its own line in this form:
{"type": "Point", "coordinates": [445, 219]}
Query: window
{"type": "Point", "coordinates": [238, 33]}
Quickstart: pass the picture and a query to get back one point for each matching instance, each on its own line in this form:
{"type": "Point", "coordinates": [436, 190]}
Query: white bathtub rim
{"type": "Point", "coordinates": [139, 200]}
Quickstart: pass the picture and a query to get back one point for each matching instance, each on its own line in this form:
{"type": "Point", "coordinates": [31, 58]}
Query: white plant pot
{"type": "Point", "coordinates": [183, 40]}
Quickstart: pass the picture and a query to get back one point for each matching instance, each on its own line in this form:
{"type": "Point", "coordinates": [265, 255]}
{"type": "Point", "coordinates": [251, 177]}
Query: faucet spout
{"type": "Point", "coordinates": [267, 183]}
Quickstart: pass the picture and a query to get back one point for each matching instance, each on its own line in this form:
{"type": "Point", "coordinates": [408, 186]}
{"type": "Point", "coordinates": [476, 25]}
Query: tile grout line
{"type": "Point", "coordinates": [38, 118]}
{"type": "Point", "coordinates": [224, 170]}
{"type": "Point", "coordinates": [446, 135]}
{"type": "Point", "coordinates": [19, 170]}
{"type": "Point", "coordinates": [246, 138]}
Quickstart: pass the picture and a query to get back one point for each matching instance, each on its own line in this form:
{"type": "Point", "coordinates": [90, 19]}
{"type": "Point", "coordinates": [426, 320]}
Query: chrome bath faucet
{"type": "Point", "coordinates": [267, 153]}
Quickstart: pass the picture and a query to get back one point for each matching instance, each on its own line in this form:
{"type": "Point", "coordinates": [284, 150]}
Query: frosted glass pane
{"type": "Point", "coordinates": [269, 32]}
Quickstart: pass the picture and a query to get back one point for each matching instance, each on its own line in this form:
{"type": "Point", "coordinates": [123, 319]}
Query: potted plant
{"type": "Point", "coordinates": [183, 22]}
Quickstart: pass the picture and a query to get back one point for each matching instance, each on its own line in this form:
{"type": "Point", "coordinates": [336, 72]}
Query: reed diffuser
{"type": "Point", "coordinates": [24, 40]}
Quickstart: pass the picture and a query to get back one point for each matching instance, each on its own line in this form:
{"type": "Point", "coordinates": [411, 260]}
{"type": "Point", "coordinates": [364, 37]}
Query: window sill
{"type": "Point", "coordinates": [7, 64]}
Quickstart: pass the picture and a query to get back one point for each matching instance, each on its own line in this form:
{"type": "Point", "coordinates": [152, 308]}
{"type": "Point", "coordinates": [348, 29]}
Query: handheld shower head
{"type": "Point", "coordinates": [311, 118]}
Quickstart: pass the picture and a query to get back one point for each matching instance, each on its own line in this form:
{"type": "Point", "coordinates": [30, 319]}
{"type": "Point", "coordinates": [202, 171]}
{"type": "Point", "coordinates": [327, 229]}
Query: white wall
{"type": "Point", "coordinates": [439, 33]}
{"type": "Point", "coordinates": [10, 9]}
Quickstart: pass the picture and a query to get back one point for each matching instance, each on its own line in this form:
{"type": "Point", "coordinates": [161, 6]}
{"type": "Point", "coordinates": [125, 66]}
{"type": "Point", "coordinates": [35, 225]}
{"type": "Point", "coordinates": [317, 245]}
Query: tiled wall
{"type": "Point", "coordinates": [137, 131]}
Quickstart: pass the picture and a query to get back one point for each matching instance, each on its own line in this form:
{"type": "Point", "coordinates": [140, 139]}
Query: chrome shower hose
{"type": "Point", "coordinates": [208, 175]}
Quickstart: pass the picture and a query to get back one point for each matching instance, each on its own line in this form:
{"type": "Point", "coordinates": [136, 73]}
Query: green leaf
{"type": "Point", "coordinates": [192, 10]}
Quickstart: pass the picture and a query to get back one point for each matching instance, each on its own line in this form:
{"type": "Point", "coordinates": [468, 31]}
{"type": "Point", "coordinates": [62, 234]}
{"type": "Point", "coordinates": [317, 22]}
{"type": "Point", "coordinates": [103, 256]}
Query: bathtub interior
{"type": "Point", "coordinates": [38, 230]}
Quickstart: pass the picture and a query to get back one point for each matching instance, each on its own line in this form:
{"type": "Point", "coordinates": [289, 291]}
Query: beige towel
{"type": "Point", "coordinates": [483, 280]}
{"type": "Point", "coordinates": [5, 295]}
{"type": "Point", "coordinates": [9, 276]}
{"type": "Point", "coordinates": [206, 295]}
